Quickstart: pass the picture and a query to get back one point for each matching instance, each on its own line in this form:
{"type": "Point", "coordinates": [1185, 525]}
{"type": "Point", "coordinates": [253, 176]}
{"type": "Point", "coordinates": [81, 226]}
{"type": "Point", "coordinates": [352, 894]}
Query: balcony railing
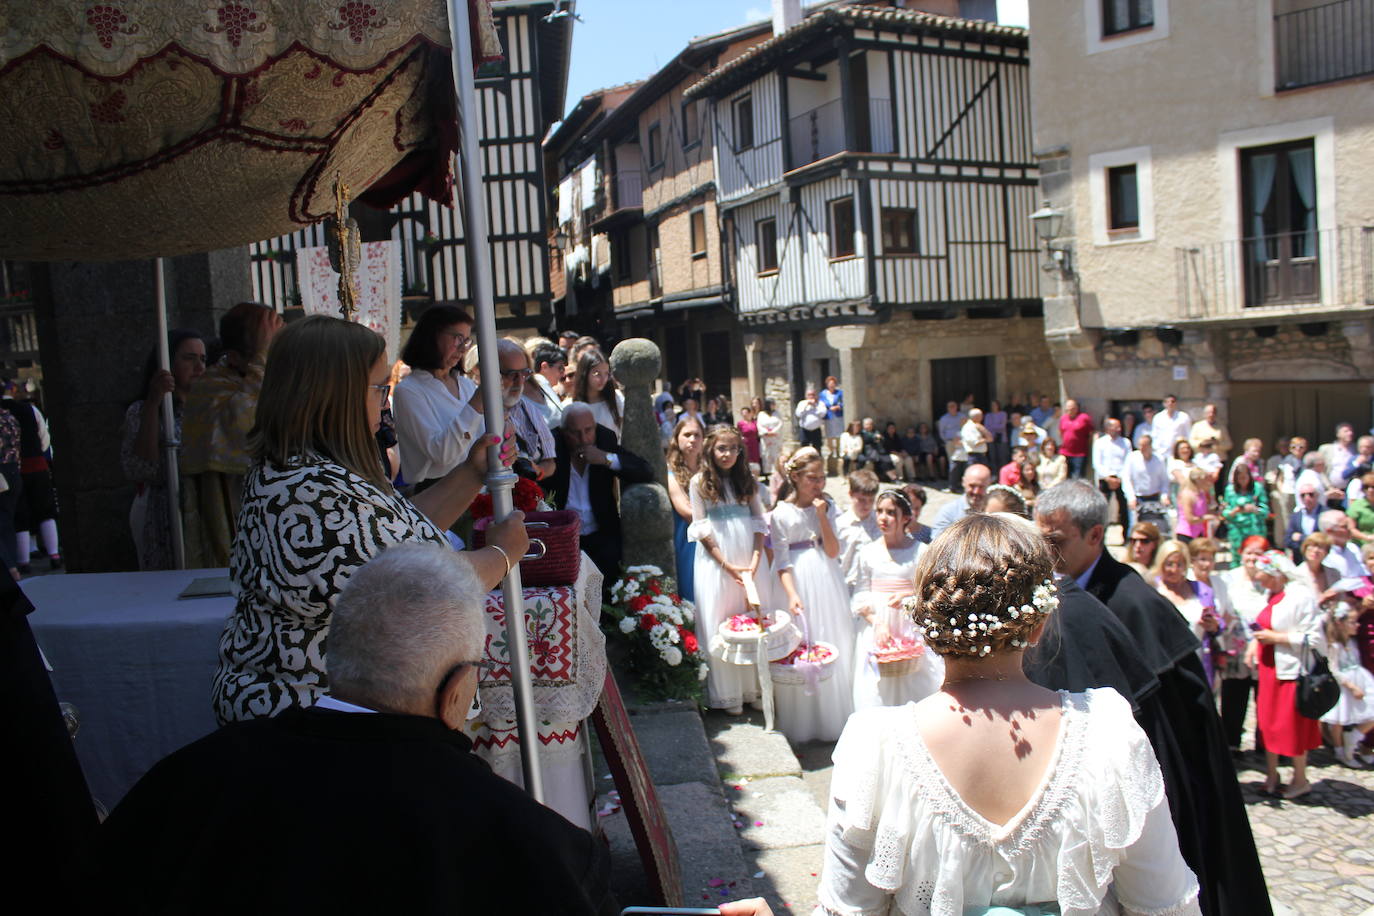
{"type": "Point", "coordinates": [627, 191]}
{"type": "Point", "coordinates": [819, 132]}
{"type": "Point", "coordinates": [18, 331]}
{"type": "Point", "coordinates": [1292, 272]}
{"type": "Point", "coordinates": [1322, 44]}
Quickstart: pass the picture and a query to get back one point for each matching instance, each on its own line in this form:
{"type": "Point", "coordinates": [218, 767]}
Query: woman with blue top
{"type": "Point", "coordinates": [684, 460]}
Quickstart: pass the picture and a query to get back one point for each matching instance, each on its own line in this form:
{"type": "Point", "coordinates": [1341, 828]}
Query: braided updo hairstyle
{"type": "Point", "coordinates": [982, 586]}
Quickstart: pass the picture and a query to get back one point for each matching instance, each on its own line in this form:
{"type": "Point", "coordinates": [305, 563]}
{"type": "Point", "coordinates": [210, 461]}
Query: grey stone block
{"type": "Point", "coordinates": [743, 748]}
{"type": "Point", "coordinates": [674, 744]}
{"type": "Point", "coordinates": [791, 877]}
{"type": "Point", "coordinates": [778, 813]}
{"type": "Point", "coordinates": [707, 846]}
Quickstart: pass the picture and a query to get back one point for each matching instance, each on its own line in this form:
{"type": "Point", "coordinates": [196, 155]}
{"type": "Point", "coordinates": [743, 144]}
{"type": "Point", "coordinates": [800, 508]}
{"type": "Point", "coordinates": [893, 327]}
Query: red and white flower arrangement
{"type": "Point", "coordinates": [657, 621]}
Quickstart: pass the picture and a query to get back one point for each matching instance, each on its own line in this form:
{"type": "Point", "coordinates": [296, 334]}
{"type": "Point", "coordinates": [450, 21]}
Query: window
{"type": "Point", "coordinates": [842, 228]}
{"type": "Point", "coordinates": [620, 255]}
{"type": "Point", "coordinates": [1126, 15]}
{"type": "Point", "coordinates": [698, 233]}
{"type": "Point", "coordinates": [1123, 198]}
{"type": "Point", "coordinates": [1279, 223]}
{"type": "Point", "coordinates": [691, 124]}
{"type": "Point", "coordinates": [766, 242]}
{"type": "Point", "coordinates": [655, 146]}
{"type": "Point", "coordinates": [899, 230]}
{"type": "Point", "coordinates": [744, 123]}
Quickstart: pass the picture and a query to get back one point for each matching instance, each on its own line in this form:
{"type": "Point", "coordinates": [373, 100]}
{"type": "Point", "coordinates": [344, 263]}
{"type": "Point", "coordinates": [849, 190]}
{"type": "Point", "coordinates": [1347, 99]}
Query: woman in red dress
{"type": "Point", "coordinates": [1290, 616]}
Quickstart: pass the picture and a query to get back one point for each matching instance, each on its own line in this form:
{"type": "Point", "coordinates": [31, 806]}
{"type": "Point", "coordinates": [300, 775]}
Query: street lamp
{"type": "Point", "coordinates": [560, 239]}
{"type": "Point", "coordinates": [1048, 223]}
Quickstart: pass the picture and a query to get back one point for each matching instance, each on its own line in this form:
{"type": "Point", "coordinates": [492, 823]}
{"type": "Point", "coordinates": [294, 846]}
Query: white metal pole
{"type": "Point", "coordinates": [170, 441]}
{"type": "Point", "coordinates": [500, 480]}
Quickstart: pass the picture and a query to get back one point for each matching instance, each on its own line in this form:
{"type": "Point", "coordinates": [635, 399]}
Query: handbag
{"type": "Point", "coordinates": [1318, 690]}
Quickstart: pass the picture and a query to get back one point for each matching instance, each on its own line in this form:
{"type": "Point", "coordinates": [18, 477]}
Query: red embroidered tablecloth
{"type": "Point", "coordinates": [567, 666]}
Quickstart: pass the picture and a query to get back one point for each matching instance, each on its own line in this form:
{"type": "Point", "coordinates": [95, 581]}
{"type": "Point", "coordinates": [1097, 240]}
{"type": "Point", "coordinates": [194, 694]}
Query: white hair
{"type": "Point", "coordinates": [1331, 518]}
{"type": "Point", "coordinates": [402, 621]}
{"type": "Point", "coordinates": [1084, 503]}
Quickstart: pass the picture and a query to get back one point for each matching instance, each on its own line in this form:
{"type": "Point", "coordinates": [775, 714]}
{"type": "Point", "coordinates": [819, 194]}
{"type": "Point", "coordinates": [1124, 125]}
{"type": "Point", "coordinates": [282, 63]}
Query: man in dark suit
{"type": "Point", "coordinates": [589, 461]}
{"type": "Point", "coordinates": [1183, 726]}
{"type": "Point", "coordinates": [373, 800]}
{"type": "Point", "coordinates": [1304, 521]}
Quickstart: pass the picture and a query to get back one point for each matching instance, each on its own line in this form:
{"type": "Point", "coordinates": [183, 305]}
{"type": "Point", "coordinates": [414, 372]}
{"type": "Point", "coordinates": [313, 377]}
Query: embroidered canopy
{"type": "Point", "coordinates": [141, 128]}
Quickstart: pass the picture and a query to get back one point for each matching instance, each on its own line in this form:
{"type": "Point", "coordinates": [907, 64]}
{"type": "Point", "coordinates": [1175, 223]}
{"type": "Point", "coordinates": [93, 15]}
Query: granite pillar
{"type": "Point", "coordinates": [646, 514]}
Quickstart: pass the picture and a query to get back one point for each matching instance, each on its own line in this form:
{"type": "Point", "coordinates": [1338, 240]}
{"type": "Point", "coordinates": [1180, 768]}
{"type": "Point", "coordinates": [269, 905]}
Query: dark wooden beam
{"type": "Point", "coordinates": [805, 75]}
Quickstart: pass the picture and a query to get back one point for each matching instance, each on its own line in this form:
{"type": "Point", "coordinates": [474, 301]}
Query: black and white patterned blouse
{"type": "Point", "coordinates": [302, 532]}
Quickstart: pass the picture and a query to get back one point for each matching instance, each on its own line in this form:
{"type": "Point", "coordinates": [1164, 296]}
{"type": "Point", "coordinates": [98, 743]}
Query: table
{"type": "Point", "coordinates": [138, 664]}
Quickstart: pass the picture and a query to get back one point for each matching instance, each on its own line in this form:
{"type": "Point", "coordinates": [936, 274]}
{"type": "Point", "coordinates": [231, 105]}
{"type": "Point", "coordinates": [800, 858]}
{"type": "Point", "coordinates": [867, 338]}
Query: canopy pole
{"type": "Point", "coordinates": [500, 480]}
{"type": "Point", "coordinates": [170, 441]}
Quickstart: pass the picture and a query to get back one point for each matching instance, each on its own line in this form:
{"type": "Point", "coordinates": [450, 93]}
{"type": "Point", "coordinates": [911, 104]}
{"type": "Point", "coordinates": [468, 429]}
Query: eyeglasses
{"type": "Point", "coordinates": [1141, 540]}
{"type": "Point", "coordinates": [521, 374]}
{"type": "Point", "coordinates": [462, 340]}
{"type": "Point", "coordinates": [384, 389]}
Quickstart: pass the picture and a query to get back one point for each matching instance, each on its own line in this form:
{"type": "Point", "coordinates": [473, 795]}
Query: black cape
{"type": "Point", "coordinates": [1084, 646]}
{"type": "Point", "coordinates": [319, 811]}
{"type": "Point", "coordinates": [1185, 731]}
{"type": "Point", "coordinates": [49, 815]}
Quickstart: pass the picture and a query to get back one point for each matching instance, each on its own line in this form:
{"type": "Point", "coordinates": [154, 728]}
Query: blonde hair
{"type": "Point", "coordinates": [1167, 550]}
{"type": "Point", "coordinates": [983, 566]}
{"type": "Point", "coordinates": [314, 397]}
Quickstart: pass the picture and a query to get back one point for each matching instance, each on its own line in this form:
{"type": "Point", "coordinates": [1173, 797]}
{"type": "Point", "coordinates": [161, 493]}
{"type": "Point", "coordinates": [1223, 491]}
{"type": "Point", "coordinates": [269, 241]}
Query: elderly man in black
{"type": "Point", "coordinates": [589, 461]}
{"type": "Point", "coordinates": [369, 801]}
{"type": "Point", "coordinates": [1180, 717]}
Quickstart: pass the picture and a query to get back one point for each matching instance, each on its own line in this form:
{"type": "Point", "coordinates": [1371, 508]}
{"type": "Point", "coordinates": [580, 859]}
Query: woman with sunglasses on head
{"type": "Point", "coordinates": [317, 506]}
{"type": "Point", "coordinates": [435, 405]}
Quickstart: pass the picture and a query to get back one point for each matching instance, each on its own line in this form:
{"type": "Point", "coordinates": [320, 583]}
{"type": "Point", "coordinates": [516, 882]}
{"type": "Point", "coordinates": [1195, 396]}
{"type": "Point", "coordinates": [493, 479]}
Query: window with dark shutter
{"type": "Point", "coordinates": [1123, 198]}
{"type": "Point", "coordinates": [842, 228]}
{"type": "Point", "coordinates": [1126, 16]}
{"type": "Point", "coordinates": [899, 230]}
{"type": "Point", "coordinates": [766, 243]}
{"type": "Point", "coordinates": [744, 123]}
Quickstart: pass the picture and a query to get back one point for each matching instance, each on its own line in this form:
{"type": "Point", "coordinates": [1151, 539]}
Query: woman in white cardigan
{"type": "Point", "coordinates": [1275, 651]}
{"type": "Point", "coordinates": [433, 405]}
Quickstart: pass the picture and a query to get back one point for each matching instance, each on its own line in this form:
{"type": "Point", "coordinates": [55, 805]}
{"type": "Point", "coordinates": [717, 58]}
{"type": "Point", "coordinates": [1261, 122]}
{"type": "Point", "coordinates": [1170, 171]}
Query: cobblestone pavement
{"type": "Point", "coordinates": [1318, 851]}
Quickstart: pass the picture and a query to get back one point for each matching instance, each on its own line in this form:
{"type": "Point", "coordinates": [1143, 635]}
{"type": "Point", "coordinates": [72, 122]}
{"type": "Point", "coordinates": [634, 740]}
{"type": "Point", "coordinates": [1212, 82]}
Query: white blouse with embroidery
{"type": "Point", "coordinates": [1095, 837]}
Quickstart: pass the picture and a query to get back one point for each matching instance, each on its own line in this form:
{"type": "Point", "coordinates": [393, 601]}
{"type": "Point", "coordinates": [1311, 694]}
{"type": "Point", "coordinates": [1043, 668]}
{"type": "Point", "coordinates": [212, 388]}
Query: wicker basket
{"type": "Point", "coordinates": [899, 666]}
{"type": "Point", "coordinates": [788, 675]}
{"type": "Point", "coordinates": [562, 548]}
{"type": "Point", "coordinates": [741, 648]}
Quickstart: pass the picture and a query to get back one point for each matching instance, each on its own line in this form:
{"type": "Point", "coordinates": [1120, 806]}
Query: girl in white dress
{"type": "Point", "coordinates": [805, 549]}
{"type": "Point", "coordinates": [728, 526]}
{"type": "Point", "coordinates": [995, 792]}
{"type": "Point", "coordinates": [1353, 714]}
{"type": "Point", "coordinates": [886, 570]}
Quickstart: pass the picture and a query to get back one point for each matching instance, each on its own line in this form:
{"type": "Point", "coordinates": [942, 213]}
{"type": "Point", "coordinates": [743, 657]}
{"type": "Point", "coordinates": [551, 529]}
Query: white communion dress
{"type": "Point", "coordinates": [826, 618]}
{"type": "Point", "coordinates": [732, 525]}
{"type": "Point", "coordinates": [1345, 664]}
{"type": "Point", "coordinates": [1095, 837]}
{"type": "Point", "coordinates": [885, 576]}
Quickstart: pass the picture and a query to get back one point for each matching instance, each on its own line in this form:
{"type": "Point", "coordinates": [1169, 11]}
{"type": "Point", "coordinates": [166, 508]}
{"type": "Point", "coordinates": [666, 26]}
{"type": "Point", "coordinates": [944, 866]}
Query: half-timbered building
{"type": "Point", "coordinates": [519, 98]}
{"type": "Point", "coordinates": [875, 179]}
{"type": "Point", "coordinates": [637, 196]}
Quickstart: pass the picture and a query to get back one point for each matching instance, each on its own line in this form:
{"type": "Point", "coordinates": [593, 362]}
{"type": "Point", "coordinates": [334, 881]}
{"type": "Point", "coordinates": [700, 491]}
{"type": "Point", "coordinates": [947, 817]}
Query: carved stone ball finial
{"type": "Point", "coordinates": [636, 362]}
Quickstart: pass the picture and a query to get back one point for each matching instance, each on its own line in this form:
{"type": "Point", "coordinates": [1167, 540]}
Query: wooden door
{"type": "Point", "coordinates": [1308, 409]}
{"type": "Point", "coordinates": [951, 379]}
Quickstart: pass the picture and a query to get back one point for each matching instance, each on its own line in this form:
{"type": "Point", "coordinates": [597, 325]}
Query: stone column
{"type": "Point", "coordinates": [95, 329]}
{"type": "Point", "coordinates": [846, 339]}
{"type": "Point", "coordinates": [646, 515]}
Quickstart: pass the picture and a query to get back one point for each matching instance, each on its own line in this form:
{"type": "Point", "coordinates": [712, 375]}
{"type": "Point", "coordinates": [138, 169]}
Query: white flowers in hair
{"type": "Point", "coordinates": [1044, 600]}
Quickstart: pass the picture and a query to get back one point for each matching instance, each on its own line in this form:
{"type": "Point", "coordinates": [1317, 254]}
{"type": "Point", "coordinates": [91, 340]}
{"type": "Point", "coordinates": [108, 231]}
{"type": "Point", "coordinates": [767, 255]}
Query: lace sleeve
{"type": "Point", "coordinates": [701, 525]}
{"type": "Point", "coordinates": [1130, 840]}
{"type": "Point", "coordinates": [850, 834]}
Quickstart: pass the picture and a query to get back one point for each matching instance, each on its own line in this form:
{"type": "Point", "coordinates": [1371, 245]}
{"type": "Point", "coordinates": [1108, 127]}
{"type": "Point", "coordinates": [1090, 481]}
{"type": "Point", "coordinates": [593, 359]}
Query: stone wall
{"type": "Point", "coordinates": [1244, 347]}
